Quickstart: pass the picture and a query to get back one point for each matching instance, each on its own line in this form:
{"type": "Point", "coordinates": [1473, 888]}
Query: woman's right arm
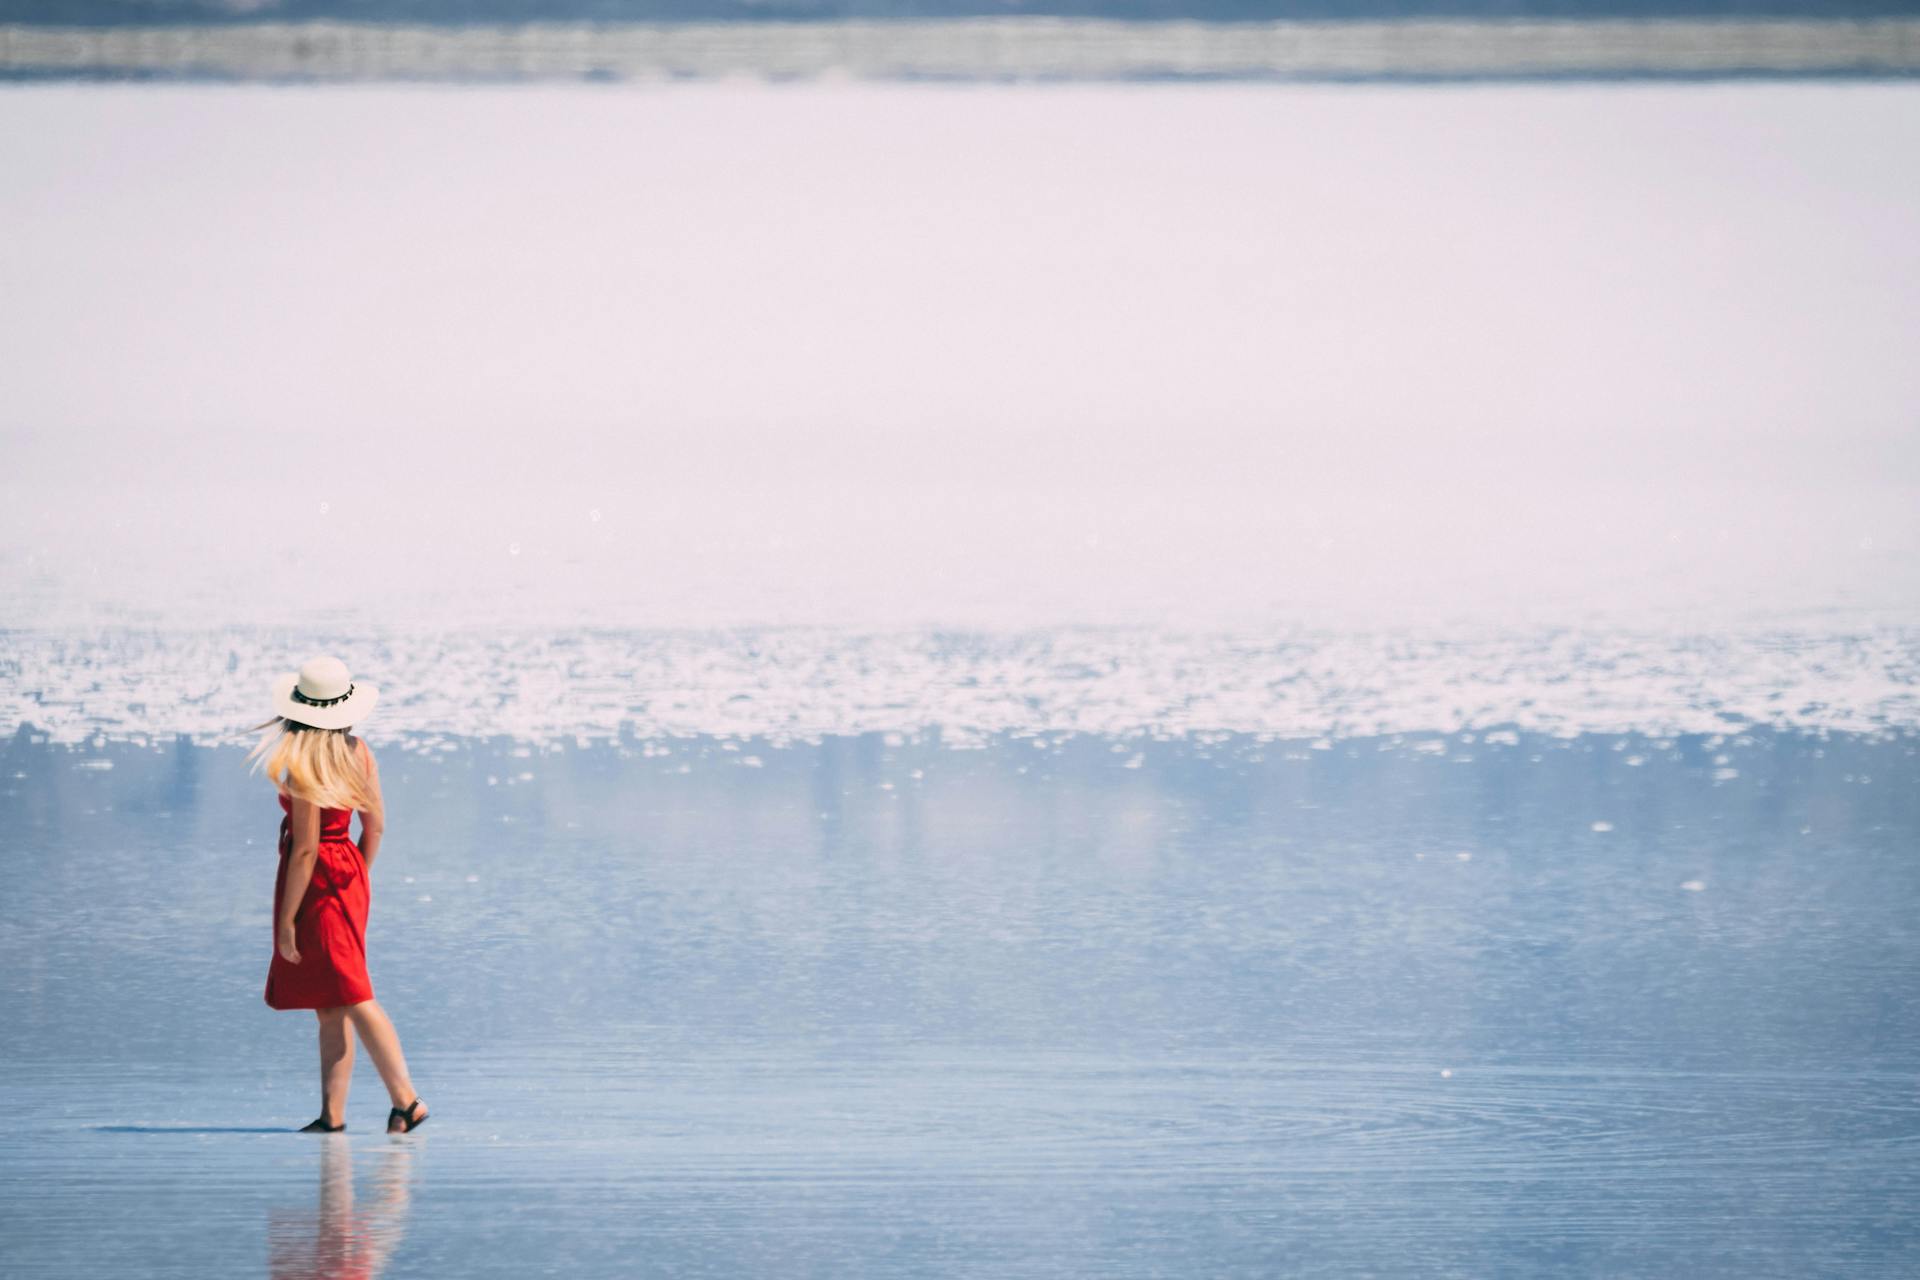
{"type": "Point", "coordinates": [372, 827]}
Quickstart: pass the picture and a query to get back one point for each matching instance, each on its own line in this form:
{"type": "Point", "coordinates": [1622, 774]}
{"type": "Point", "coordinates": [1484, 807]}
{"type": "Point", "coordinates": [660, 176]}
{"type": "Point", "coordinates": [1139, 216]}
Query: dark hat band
{"type": "Point", "coordinates": [320, 702]}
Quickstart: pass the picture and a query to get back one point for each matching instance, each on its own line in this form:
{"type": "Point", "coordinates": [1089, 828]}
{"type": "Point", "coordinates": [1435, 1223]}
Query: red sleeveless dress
{"type": "Point", "coordinates": [330, 928]}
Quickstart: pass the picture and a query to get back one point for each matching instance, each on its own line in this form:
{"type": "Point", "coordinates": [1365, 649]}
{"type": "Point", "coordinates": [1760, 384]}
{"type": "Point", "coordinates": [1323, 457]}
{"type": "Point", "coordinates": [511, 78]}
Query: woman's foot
{"type": "Point", "coordinates": [408, 1118]}
{"type": "Point", "coordinates": [322, 1126]}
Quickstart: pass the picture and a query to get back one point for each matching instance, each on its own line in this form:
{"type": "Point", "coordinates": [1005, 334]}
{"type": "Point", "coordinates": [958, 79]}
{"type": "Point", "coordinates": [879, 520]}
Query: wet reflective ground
{"type": "Point", "coordinates": [1073, 1006]}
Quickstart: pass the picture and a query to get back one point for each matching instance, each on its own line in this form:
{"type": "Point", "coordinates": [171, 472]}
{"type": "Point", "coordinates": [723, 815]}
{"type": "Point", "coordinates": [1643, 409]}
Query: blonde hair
{"type": "Point", "coordinates": [316, 765]}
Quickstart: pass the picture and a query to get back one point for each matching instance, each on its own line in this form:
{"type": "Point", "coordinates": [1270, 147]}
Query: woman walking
{"type": "Point", "coordinates": [322, 892]}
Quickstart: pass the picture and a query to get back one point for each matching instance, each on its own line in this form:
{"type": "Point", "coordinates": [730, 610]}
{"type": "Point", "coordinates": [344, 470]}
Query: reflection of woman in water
{"type": "Point", "coordinates": [339, 1241]}
{"type": "Point", "coordinates": [322, 892]}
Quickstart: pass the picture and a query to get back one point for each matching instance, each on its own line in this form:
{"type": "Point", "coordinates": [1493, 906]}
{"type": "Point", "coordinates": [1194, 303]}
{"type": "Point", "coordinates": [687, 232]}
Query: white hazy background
{"type": "Point", "coordinates": [959, 355]}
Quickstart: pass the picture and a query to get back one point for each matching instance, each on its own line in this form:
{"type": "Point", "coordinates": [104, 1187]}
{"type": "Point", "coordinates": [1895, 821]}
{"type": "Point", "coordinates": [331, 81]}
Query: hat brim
{"type": "Point", "coordinates": [358, 706]}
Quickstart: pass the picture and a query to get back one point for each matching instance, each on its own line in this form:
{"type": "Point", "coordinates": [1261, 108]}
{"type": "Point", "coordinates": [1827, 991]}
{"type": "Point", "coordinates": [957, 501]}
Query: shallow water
{"type": "Point", "coordinates": [1609, 1004]}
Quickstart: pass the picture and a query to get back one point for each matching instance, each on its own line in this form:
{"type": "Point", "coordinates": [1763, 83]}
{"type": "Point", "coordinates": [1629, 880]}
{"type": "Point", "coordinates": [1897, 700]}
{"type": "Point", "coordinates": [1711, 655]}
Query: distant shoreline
{"type": "Point", "coordinates": [782, 684]}
{"type": "Point", "coordinates": [1011, 48]}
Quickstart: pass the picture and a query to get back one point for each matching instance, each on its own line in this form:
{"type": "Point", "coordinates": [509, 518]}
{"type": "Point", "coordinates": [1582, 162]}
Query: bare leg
{"type": "Point", "coordinates": [336, 1063]}
{"type": "Point", "coordinates": [383, 1046]}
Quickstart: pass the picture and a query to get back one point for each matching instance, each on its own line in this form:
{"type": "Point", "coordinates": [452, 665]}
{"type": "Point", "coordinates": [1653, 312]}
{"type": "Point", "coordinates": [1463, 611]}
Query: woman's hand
{"type": "Point", "coordinates": [284, 941]}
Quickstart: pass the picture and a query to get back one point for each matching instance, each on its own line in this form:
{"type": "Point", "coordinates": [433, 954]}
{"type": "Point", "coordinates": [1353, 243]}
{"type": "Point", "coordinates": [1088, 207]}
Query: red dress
{"type": "Point", "coordinates": [330, 928]}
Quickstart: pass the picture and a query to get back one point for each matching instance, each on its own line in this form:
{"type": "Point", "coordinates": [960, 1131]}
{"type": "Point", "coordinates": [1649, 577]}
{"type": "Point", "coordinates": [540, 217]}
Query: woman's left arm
{"type": "Point", "coordinates": [303, 834]}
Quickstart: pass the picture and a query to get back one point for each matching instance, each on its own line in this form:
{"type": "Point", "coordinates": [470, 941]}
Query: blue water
{"type": "Point", "coordinates": [1061, 1005]}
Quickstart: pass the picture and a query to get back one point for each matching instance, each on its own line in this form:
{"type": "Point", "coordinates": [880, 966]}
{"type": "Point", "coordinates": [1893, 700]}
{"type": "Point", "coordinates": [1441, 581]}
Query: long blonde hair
{"type": "Point", "coordinates": [314, 764]}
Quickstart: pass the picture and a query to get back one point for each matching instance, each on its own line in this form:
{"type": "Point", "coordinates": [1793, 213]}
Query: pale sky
{"type": "Point", "coordinates": [958, 354]}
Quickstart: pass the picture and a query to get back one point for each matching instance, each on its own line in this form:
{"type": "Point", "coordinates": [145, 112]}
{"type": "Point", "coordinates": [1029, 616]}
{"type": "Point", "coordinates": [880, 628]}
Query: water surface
{"type": "Point", "coordinates": [1402, 1005]}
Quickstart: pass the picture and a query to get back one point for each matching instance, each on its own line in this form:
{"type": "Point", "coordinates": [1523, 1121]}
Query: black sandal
{"type": "Point", "coordinates": [320, 1125]}
{"type": "Point", "coordinates": [405, 1114]}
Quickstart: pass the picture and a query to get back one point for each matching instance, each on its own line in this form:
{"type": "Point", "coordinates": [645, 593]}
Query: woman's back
{"type": "Point", "coordinates": [335, 823]}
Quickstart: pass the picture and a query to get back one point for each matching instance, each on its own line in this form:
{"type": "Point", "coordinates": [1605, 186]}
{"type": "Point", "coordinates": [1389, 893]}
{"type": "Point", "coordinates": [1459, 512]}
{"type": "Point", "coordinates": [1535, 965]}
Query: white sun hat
{"type": "Point", "coordinates": [323, 695]}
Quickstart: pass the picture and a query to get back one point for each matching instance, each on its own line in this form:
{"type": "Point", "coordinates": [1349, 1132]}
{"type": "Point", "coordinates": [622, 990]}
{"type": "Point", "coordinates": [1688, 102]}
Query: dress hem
{"type": "Point", "coordinates": [331, 1004]}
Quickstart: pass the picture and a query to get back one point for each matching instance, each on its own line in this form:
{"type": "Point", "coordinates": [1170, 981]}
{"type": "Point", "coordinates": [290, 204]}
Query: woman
{"type": "Point", "coordinates": [321, 893]}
